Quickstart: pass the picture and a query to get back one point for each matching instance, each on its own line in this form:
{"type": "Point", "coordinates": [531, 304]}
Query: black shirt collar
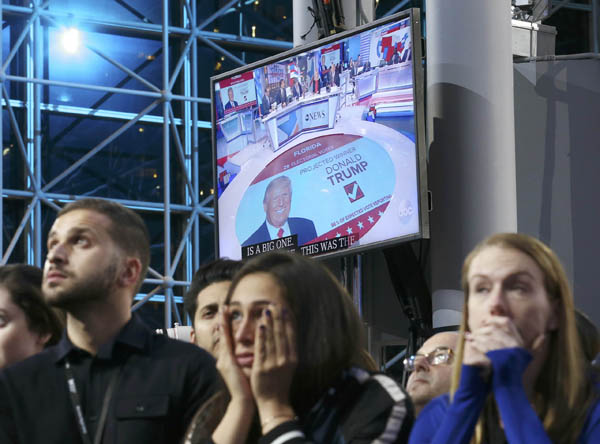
{"type": "Point", "coordinates": [134, 334]}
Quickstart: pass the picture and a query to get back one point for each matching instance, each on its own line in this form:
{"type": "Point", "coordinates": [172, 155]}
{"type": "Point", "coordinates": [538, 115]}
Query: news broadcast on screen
{"type": "Point", "coordinates": [319, 150]}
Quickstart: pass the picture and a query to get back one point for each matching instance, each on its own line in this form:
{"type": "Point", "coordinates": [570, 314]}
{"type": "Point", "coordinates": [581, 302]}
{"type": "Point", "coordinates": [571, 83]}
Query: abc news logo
{"type": "Point", "coordinates": [315, 115]}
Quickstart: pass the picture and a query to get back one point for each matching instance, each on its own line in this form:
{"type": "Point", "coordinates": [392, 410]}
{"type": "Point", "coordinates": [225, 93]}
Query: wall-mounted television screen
{"type": "Point", "coordinates": [321, 149]}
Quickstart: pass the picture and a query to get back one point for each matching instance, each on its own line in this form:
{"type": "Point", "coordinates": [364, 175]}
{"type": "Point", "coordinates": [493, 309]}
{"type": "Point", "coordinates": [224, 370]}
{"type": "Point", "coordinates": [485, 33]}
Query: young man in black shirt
{"type": "Point", "coordinates": [110, 379]}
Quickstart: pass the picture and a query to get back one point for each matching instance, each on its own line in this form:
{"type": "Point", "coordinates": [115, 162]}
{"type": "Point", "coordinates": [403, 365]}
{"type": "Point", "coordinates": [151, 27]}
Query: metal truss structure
{"type": "Point", "coordinates": [170, 108]}
{"type": "Point", "coordinates": [39, 174]}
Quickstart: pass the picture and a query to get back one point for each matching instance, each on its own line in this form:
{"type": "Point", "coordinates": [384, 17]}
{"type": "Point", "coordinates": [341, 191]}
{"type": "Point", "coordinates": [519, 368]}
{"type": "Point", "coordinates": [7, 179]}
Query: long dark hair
{"type": "Point", "coordinates": [24, 284]}
{"type": "Point", "coordinates": [329, 332]}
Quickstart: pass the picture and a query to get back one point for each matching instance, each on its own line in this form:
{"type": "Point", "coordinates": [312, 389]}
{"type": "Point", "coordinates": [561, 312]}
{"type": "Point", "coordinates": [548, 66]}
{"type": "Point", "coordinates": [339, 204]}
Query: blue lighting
{"type": "Point", "coordinates": [70, 40]}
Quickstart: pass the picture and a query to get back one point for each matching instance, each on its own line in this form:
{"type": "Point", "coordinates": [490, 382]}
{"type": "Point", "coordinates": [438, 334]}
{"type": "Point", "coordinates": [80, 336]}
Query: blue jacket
{"type": "Point", "coordinates": [442, 421]}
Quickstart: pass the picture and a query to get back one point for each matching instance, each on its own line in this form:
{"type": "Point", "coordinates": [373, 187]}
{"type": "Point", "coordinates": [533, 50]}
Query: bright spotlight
{"type": "Point", "coordinates": [70, 40]}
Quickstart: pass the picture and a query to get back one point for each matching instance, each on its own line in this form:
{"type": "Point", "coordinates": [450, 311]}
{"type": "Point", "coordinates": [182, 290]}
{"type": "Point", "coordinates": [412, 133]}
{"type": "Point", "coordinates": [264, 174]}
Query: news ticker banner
{"type": "Point", "coordinates": [290, 243]}
{"type": "Point", "coordinates": [342, 183]}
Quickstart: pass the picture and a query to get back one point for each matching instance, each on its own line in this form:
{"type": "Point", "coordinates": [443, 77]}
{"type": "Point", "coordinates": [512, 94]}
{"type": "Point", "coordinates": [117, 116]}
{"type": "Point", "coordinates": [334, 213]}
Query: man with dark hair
{"type": "Point", "coordinates": [296, 88]}
{"type": "Point", "coordinates": [109, 379]}
{"type": "Point", "coordinates": [204, 298]}
{"type": "Point", "coordinates": [265, 104]}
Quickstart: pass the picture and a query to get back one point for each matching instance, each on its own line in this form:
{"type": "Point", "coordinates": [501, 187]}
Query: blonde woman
{"type": "Point", "coordinates": [520, 375]}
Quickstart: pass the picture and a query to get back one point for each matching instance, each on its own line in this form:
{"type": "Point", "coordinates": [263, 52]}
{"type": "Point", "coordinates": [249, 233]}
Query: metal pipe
{"type": "Point", "coordinates": [188, 20]}
{"type": "Point", "coordinates": [152, 271]}
{"type": "Point", "coordinates": [188, 11]}
{"type": "Point", "coordinates": [175, 309]}
{"type": "Point", "coordinates": [29, 132]}
{"type": "Point", "coordinates": [17, 132]}
{"type": "Point", "coordinates": [18, 42]}
{"type": "Point", "coordinates": [20, 229]}
{"type": "Point", "coordinates": [217, 14]}
{"type": "Point", "coordinates": [134, 92]}
{"type": "Point", "coordinates": [145, 299]}
{"type": "Point", "coordinates": [166, 281]}
{"type": "Point", "coordinates": [108, 114]}
{"type": "Point", "coordinates": [396, 8]}
{"type": "Point", "coordinates": [110, 89]}
{"type": "Point", "coordinates": [166, 161]}
{"type": "Point", "coordinates": [221, 50]}
{"type": "Point", "coordinates": [49, 203]}
{"type": "Point", "coordinates": [100, 146]}
{"type": "Point", "coordinates": [124, 68]}
{"type": "Point", "coordinates": [133, 204]}
{"type": "Point", "coordinates": [194, 72]}
{"type": "Point", "coordinates": [149, 29]}
{"type": "Point", "coordinates": [38, 60]}
{"type": "Point", "coordinates": [186, 233]}
{"type": "Point", "coordinates": [180, 154]}
{"type": "Point", "coordinates": [182, 58]}
{"type": "Point", "coordinates": [392, 361]}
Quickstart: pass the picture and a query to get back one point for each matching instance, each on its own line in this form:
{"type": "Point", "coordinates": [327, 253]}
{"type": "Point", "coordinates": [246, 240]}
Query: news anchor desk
{"type": "Point", "coordinates": [309, 113]}
{"type": "Point", "coordinates": [381, 79]}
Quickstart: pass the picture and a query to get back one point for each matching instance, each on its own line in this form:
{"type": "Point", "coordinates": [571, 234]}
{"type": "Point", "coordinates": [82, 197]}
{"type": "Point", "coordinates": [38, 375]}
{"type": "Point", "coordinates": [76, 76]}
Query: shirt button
{"type": "Point", "coordinates": [139, 408]}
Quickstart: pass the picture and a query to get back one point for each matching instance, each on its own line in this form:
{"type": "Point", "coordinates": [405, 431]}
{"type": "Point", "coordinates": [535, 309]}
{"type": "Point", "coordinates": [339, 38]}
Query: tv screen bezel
{"type": "Point", "coordinates": [413, 14]}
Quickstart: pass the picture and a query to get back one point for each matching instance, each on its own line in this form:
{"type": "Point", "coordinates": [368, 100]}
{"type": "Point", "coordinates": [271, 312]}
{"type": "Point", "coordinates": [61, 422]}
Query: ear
{"type": "Point", "coordinates": [193, 336]}
{"type": "Point", "coordinates": [42, 340]}
{"type": "Point", "coordinates": [130, 273]}
{"type": "Point", "coordinates": [554, 320]}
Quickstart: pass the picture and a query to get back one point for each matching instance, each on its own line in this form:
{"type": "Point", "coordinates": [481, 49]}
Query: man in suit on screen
{"type": "Point", "coordinates": [277, 203]}
{"type": "Point", "coordinates": [232, 103]}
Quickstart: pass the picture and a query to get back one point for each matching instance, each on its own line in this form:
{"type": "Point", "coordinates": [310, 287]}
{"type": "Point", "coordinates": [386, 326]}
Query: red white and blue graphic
{"type": "Point", "coordinates": [325, 173]}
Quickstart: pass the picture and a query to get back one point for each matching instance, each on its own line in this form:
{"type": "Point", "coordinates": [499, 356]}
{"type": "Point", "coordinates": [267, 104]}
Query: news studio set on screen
{"type": "Point", "coordinates": [321, 149]}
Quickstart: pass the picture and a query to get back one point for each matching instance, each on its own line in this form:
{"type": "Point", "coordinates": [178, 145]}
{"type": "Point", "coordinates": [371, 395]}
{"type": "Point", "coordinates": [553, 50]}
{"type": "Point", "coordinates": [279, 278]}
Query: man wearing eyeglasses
{"type": "Point", "coordinates": [431, 369]}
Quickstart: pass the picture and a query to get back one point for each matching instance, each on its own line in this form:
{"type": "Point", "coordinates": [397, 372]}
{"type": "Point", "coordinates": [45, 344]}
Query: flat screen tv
{"type": "Point", "coordinates": [321, 149]}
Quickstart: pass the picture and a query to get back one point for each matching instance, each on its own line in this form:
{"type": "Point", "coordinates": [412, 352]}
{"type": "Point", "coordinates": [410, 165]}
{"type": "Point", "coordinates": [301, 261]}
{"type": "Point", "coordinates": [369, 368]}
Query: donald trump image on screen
{"type": "Point", "coordinates": [232, 103]}
{"type": "Point", "coordinates": [277, 203]}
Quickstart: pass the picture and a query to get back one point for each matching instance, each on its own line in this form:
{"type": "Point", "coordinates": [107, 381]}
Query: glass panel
{"type": "Point", "coordinates": [130, 167]}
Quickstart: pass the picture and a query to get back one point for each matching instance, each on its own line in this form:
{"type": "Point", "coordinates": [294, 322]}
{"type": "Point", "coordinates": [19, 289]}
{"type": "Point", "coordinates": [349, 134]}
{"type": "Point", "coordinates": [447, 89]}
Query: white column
{"type": "Point", "coordinates": [470, 127]}
{"type": "Point", "coordinates": [303, 19]}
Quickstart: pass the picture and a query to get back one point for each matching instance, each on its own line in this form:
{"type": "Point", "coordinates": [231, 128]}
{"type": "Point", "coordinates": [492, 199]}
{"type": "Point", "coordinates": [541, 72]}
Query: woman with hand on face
{"type": "Point", "coordinates": [520, 374]}
{"type": "Point", "coordinates": [294, 361]}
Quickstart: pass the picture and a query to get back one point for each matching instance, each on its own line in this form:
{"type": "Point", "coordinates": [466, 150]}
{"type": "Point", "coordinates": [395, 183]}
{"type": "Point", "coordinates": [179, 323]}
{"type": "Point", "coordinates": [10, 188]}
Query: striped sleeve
{"type": "Point", "coordinates": [365, 409]}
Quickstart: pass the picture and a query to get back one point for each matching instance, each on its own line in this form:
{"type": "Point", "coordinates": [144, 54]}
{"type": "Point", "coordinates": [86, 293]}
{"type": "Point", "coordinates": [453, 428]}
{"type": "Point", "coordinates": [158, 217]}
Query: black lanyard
{"type": "Point", "coordinates": [76, 402]}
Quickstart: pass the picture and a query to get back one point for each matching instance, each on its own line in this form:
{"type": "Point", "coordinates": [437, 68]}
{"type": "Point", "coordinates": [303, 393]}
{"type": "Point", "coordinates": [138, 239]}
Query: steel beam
{"type": "Point", "coordinates": [141, 29]}
{"type": "Point", "coordinates": [100, 146]}
{"type": "Point", "coordinates": [185, 130]}
{"type": "Point", "coordinates": [166, 164]}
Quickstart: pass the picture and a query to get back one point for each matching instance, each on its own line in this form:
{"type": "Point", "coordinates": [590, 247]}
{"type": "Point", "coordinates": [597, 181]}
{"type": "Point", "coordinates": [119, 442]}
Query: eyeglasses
{"type": "Point", "coordinates": [441, 355]}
